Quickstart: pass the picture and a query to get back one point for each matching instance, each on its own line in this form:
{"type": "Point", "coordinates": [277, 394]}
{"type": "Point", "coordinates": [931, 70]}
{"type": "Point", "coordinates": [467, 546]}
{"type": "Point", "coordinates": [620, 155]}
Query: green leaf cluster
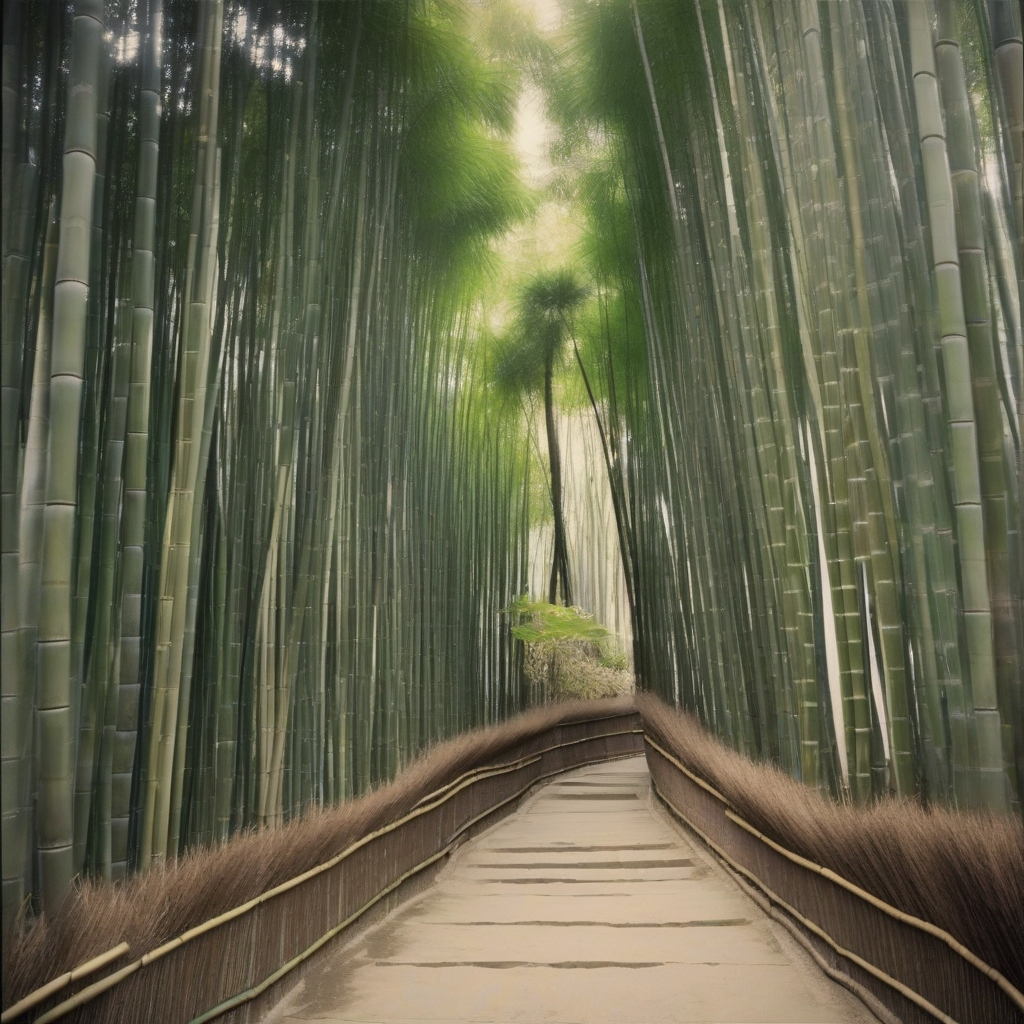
{"type": "Point", "coordinates": [545, 317]}
{"type": "Point", "coordinates": [546, 624]}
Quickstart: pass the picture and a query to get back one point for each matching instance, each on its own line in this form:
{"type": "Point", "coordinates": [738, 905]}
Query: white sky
{"type": "Point", "coordinates": [533, 136]}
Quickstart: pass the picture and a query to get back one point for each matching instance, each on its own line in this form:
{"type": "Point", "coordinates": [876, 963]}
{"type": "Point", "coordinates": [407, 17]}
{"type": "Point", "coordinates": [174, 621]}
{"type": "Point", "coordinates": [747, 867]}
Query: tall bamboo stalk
{"type": "Point", "coordinates": [16, 688]}
{"type": "Point", "coordinates": [177, 556]}
{"type": "Point", "coordinates": [964, 167]}
{"type": "Point", "coordinates": [54, 724]}
{"type": "Point", "coordinates": [960, 408]}
{"type": "Point", "coordinates": [133, 520]}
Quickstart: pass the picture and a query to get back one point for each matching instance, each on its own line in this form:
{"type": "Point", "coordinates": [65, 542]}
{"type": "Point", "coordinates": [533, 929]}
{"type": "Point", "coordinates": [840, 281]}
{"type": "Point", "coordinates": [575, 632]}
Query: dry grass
{"type": "Point", "coordinates": [149, 909]}
{"type": "Point", "coordinates": [963, 872]}
{"type": "Point", "coordinates": [575, 670]}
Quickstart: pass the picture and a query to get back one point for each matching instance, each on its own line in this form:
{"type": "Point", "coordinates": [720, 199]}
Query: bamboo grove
{"type": "Point", "coordinates": [805, 231]}
{"type": "Point", "coordinates": [267, 507]}
{"type": "Point", "coordinates": [258, 527]}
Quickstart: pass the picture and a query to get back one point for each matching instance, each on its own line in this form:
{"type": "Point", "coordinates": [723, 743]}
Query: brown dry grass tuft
{"type": "Point", "coordinates": [575, 670]}
{"type": "Point", "coordinates": [149, 909]}
{"type": "Point", "coordinates": [963, 872]}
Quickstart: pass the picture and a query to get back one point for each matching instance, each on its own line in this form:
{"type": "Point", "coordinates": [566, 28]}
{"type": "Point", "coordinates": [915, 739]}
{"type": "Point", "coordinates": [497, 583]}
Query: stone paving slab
{"type": "Point", "coordinates": [586, 906]}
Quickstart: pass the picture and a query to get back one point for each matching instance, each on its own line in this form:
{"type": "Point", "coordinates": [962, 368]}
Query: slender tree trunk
{"type": "Point", "coordinates": [17, 760]}
{"type": "Point", "coordinates": [16, 686]}
{"type": "Point", "coordinates": [996, 508]}
{"type": "Point", "coordinates": [177, 556]}
{"type": "Point", "coordinates": [560, 556]}
{"type": "Point", "coordinates": [1005, 20]}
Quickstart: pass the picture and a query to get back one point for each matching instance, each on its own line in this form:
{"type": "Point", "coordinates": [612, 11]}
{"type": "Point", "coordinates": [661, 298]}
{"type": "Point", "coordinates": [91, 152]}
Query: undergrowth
{"type": "Point", "coordinates": [567, 654]}
{"type": "Point", "coordinates": [960, 870]}
{"type": "Point", "coordinates": [149, 908]}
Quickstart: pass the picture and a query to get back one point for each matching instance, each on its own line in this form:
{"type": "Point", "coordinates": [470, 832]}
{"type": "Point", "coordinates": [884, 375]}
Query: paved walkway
{"type": "Point", "coordinates": [587, 905]}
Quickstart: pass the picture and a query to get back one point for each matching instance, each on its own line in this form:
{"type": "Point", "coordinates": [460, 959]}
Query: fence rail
{"type": "Point", "coordinates": [917, 971]}
{"type": "Point", "coordinates": [229, 968]}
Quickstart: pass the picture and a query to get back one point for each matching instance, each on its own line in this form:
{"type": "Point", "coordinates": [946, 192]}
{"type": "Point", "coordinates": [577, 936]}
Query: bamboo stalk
{"type": "Point", "coordinates": [177, 557]}
{"type": "Point", "coordinates": [977, 315]}
{"type": "Point", "coordinates": [54, 697]}
{"type": "Point", "coordinates": [133, 521]}
{"type": "Point", "coordinates": [961, 411]}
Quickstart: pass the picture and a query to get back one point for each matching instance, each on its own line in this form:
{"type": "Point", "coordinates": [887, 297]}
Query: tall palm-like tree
{"type": "Point", "coordinates": [528, 364]}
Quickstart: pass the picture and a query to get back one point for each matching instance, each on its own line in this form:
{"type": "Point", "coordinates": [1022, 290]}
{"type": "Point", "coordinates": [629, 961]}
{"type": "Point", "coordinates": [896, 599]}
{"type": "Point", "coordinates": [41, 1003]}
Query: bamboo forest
{"type": "Point", "coordinates": [382, 376]}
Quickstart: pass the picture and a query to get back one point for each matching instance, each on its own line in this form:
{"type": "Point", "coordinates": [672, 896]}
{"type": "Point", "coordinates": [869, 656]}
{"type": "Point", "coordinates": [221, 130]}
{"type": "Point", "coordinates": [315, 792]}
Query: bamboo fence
{"type": "Point", "coordinates": [901, 962]}
{"type": "Point", "coordinates": [235, 965]}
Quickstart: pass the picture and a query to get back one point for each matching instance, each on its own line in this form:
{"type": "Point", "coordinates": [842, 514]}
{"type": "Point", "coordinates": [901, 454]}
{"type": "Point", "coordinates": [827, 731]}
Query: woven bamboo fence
{"type": "Point", "coordinates": [232, 967]}
{"type": "Point", "coordinates": [917, 972]}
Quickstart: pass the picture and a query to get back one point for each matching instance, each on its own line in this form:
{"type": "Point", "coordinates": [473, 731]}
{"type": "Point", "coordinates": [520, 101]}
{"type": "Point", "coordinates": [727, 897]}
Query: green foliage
{"type": "Point", "coordinates": [568, 654]}
{"type": "Point", "coordinates": [545, 316]}
{"type": "Point", "coordinates": [795, 489]}
{"type": "Point", "coordinates": [547, 306]}
{"type": "Point", "coordinates": [460, 205]}
{"type": "Point", "coordinates": [543, 624]}
{"type": "Point", "coordinates": [516, 371]}
{"type": "Point", "coordinates": [461, 101]}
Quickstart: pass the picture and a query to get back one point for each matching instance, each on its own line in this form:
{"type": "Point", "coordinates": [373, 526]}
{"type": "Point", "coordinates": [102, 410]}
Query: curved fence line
{"type": "Point", "coordinates": [51, 988]}
{"type": "Point", "coordinates": [916, 922]}
{"type": "Point", "coordinates": [178, 941]}
{"type": "Point", "coordinates": [914, 968]}
{"type": "Point", "coordinates": [252, 993]}
{"type": "Point", "coordinates": [224, 964]}
{"type": "Point", "coordinates": [809, 924]}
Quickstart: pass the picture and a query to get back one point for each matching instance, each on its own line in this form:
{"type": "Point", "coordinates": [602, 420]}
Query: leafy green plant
{"type": "Point", "coordinates": [567, 653]}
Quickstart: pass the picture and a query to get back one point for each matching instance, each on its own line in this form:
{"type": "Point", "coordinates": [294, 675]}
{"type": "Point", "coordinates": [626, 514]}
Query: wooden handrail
{"type": "Point", "coordinates": [915, 922]}
{"type": "Point", "coordinates": [428, 803]}
{"type": "Point", "coordinates": [51, 987]}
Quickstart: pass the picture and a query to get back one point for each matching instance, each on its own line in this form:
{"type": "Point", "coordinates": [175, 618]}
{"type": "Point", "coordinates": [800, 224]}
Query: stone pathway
{"type": "Point", "coordinates": [588, 905]}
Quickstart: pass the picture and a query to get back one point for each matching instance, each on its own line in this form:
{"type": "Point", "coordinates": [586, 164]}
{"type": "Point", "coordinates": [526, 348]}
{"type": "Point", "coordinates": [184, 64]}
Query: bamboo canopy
{"type": "Point", "coordinates": [266, 515]}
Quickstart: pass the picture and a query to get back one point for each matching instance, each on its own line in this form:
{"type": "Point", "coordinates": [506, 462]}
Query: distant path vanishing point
{"type": "Point", "coordinates": [588, 905]}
